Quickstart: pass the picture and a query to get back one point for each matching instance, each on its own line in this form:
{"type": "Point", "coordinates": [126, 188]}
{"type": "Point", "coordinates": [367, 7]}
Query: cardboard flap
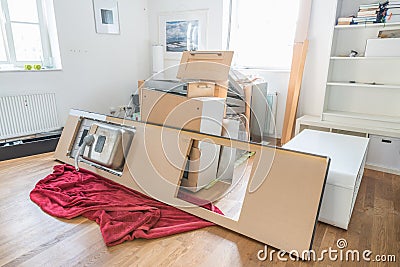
{"type": "Point", "coordinates": [205, 65]}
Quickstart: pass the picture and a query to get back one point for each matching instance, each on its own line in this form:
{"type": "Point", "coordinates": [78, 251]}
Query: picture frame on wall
{"type": "Point", "coordinates": [106, 16]}
{"type": "Point", "coordinates": [183, 31]}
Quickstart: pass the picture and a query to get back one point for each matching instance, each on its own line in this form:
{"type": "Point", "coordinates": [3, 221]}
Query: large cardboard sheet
{"type": "Point", "coordinates": [282, 200]}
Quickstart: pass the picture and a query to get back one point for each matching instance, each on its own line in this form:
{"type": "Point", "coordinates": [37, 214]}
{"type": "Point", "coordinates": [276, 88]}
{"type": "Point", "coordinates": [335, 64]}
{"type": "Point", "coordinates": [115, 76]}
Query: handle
{"type": "Point", "coordinates": [203, 86]}
{"type": "Point", "coordinates": [193, 53]}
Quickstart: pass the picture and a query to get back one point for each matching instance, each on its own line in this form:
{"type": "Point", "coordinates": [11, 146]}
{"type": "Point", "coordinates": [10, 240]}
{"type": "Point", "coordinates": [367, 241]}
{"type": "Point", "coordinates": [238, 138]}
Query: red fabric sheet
{"type": "Point", "coordinates": [122, 213]}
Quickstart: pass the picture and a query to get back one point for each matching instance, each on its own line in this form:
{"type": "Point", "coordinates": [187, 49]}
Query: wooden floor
{"type": "Point", "coordinates": [30, 237]}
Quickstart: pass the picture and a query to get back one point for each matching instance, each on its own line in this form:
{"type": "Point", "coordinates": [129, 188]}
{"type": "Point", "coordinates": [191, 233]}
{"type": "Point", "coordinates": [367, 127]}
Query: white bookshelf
{"type": "Point", "coordinates": [361, 90]}
{"type": "Point", "coordinates": [358, 95]}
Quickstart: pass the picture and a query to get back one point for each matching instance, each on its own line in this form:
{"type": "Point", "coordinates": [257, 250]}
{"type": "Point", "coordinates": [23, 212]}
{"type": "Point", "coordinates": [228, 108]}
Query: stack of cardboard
{"type": "Point", "coordinates": [205, 74]}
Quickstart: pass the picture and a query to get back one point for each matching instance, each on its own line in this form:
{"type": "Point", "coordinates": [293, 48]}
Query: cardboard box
{"type": "Point", "coordinates": [203, 114]}
{"type": "Point", "coordinates": [202, 110]}
{"type": "Point", "coordinates": [205, 65]}
{"type": "Point", "coordinates": [203, 166]}
{"type": "Point", "coordinates": [227, 157]}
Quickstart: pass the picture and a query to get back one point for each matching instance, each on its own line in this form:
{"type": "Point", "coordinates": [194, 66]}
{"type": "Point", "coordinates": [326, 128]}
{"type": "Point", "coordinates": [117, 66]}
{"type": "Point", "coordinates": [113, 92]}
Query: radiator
{"type": "Point", "coordinates": [27, 114]}
{"type": "Point", "coordinates": [264, 108]}
{"type": "Point", "coordinates": [272, 100]}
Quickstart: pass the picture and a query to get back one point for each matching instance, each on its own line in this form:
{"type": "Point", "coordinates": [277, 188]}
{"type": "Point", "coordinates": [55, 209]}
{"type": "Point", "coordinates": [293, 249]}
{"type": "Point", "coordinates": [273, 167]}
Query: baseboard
{"type": "Point", "coordinates": [382, 169]}
{"type": "Point", "coordinates": [28, 147]}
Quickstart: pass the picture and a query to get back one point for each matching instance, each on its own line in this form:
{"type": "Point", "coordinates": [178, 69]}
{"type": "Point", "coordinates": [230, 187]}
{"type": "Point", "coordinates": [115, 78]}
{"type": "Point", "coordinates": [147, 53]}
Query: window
{"type": "Point", "coordinates": [262, 33]}
{"type": "Point", "coordinates": [24, 37]}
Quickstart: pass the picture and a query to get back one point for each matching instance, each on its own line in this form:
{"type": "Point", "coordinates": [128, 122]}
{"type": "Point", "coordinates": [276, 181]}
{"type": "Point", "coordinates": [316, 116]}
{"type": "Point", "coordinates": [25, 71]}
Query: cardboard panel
{"type": "Point", "coordinates": [221, 89]}
{"type": "Point", "coordinates": [199, 89]}
{"type": "Point", "coordinates": [158, 107]}
{"type": "Point", "coordinates": [282, 201]}
{"type": "Point", "coordinates": [205, 65]}
{"type": "Point", "coordinates": [67, 138]}
{"type": "Point", "coordinates": [203, 114]}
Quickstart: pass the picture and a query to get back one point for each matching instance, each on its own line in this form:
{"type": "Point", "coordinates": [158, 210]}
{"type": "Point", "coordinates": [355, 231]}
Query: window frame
{"type": "Point", "coordinates": [8, 39]}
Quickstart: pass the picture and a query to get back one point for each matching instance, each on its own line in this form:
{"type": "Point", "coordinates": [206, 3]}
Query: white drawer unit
{"type": "Point", "coordinates": [384, 152]}
{"type": "Point", "coordinates": [348, 156]}
{"type": "Point", "coordinates": [384, 149]}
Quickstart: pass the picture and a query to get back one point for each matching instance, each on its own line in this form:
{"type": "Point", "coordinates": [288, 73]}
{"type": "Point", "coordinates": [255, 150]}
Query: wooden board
{"type": "Point", "coordinates": [281, 204]}
{"type": "Point", "coordinates": [292, 100]}
{"type": "Point", "coordinates": [247, 93]}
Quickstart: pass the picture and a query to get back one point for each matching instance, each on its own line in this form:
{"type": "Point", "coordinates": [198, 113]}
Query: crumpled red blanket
{"type": "Point", "coordinates": [122, 213]}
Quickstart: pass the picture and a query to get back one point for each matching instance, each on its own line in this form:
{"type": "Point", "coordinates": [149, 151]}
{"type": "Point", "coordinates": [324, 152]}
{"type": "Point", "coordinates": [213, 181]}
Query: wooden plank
{"type": "Point", "coordinates": [292, 100]}
{"type": "Point", "coordinates": [247, 95]}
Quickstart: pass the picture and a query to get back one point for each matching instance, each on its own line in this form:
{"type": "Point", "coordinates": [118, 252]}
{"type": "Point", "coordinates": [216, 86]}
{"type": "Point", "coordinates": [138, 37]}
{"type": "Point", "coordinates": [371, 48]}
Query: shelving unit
{"type": "Point", "coordinates": [361, 90]}
{"type": "Point", "coordinates": [361, 94]}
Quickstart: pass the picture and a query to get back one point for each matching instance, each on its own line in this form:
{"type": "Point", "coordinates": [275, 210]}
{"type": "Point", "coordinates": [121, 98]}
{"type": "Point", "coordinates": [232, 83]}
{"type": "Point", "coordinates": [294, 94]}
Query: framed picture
{"type": "Point", "coordinates": [183, 31]}
{"type": "Point", "coordinates": [106, 16]}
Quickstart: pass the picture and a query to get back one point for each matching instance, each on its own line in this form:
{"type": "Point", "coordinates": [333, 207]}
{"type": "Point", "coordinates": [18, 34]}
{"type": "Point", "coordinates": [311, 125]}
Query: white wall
{"type": "Point", "coordinates": [216, 30]}
{"type": "Point", "coordinates": [105, 71]}
{"type": "Point", "coordinates": [323, 18]}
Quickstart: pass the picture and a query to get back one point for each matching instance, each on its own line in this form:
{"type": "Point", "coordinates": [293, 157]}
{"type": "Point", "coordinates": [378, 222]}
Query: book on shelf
{"type": "Point", "coordinates": [367, 6]}
{"type": "Point", "coordinates": [368, 16]}
{"type": "Point", "coordinates": [366, 19]}
{"type": "Point", "coordinates": [389, 34]}
{"type": "Point", "coordinates": [367, 13]}
{"type": "Point", "coordinates": [345, 20]}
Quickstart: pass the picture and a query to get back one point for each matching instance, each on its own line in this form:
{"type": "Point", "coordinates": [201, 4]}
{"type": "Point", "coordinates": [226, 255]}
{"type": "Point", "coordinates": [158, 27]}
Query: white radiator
{"type": "Point", "coordinates": [270, 127]}
{"type": "Point", "coordinates": [27, 114]}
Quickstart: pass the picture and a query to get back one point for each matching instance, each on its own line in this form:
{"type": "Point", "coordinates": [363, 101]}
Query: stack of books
{"type": "Point", "coordinates": [393, 12]}
{"type": "Point", "coordinates": [371, 13]}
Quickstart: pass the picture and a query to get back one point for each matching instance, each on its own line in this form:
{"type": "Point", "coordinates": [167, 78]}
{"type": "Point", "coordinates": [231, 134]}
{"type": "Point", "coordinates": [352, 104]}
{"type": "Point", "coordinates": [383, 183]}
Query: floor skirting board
{"type": "Point", "coordinates": [28, 147]}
